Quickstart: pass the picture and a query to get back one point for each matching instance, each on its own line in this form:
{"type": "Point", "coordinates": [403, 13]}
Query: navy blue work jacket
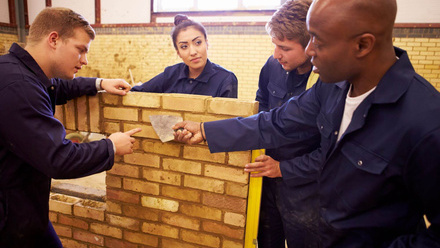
{"type": "Point", "coordinates": [376, 183]}
{"type": "Point", "coordinates": [214, 81]}
{"type": "Point", "coordinates": [277, 86]}
{"type": "Point", "coordinates": [33, 148]}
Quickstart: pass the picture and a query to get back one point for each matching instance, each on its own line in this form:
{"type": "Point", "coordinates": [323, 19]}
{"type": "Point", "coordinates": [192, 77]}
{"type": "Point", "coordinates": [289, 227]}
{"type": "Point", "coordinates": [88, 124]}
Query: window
{"type": "Point", "coordinates": [209, 5]}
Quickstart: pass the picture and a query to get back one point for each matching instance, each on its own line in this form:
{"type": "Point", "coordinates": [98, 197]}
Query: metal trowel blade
{"type": "Point", "coordinates": [162, 126]}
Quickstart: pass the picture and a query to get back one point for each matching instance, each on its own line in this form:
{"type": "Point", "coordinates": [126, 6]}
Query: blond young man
{"type": "Point", "coordinates": [288, 209]}
{"type": "Point", "coordinates": [33, 148]}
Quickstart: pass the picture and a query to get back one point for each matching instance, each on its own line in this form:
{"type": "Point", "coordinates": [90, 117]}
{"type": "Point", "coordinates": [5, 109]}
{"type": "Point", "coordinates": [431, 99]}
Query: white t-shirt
{"type": "Point", "coordinates": [351, 103]}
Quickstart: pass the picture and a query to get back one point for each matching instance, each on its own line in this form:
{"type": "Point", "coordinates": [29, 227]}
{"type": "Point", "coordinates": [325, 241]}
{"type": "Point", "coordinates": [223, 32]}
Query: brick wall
{"type": "Point", "coordinates": [164, 194]}
{"type": "Point", "coordinates": [424, 53]}
{"type": "Point", "coordinates": [146, 51]}
{"type": "Point", "coordinates": [7, 37]}
{"type": "Point", "coordinates": [241, 49]}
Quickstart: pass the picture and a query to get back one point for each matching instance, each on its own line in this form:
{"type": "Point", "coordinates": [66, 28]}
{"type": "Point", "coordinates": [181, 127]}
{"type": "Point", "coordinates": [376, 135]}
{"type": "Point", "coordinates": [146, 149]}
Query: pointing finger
{"type": "Point", "coordinates": [133, 131]}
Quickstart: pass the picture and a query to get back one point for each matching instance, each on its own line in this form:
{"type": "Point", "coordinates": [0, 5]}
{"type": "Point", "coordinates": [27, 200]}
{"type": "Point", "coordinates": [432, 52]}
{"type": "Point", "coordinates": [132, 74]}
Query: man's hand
{"type": "Point", "coordinates": [123, 142]}
{"type": "Point", "coordinates": [115, 86]}
{"type": "Point", "coordinates": [188, 132]}
{"type": "Point", "coordinates": [264, 166]}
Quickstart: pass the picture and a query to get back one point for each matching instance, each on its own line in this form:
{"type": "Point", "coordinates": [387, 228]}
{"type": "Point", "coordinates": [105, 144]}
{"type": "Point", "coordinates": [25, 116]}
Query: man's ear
{"type": "Point", "coordinates": [53, 39]}
{"type": "Point", "coordinates": [365, 43]}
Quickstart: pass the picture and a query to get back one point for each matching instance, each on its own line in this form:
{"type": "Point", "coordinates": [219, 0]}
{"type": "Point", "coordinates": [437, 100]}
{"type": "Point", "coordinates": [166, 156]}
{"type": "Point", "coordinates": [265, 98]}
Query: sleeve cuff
{"type": "Point", "coordinates": [98, 84]}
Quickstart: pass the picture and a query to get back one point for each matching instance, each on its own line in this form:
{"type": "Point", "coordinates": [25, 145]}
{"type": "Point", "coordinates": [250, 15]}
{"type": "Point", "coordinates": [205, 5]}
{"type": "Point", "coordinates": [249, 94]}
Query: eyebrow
{"type": "Point", "coordinates": [191, 40]}
{"type": "Point", "coordinates": [315, 35]}
{"type": "Point", "coordinates": [83, 48]}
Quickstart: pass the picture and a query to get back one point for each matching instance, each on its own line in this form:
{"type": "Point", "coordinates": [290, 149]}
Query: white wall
{"type": "Point", "coordinates": [84, 7]}
{"type": "Point", "coordinates": [138, 11]}
{"type": "Point", "coordinates": [119, 11]}
{"type": "Point", "coordinates": [418, 11]}
{"type": "Point", "coordinates": [34, 7]}
{"type": "Point", "coordinates": [4, 11]}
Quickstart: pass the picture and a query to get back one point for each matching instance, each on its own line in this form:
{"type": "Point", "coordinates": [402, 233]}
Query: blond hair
{"type": "Point", "coordinates": [62, 20]}
{"type": "Point", "coordinates": [289, 22]}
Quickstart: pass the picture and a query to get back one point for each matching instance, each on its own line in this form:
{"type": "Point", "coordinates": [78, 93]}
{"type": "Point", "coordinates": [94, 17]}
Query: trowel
{"type": "Point", "coordinates": [162, 126]}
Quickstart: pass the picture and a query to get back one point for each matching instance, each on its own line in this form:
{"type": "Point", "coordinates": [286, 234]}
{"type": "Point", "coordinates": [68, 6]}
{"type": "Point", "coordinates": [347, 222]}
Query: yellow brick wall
{"type": "Point", "coordinates": [164, 194]}
{"type": "Point", "coordinates": [112, 55]}
{"type": "Point", "coordinates": [6, 41]}
{"type": "Point", "coordinates": [424, 53]}
{"type": "Point", "coordinates": [148, 55]}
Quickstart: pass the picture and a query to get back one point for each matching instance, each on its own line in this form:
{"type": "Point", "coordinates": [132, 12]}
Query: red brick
{"type": "Point", "coordinates": [61, 230]}
{"type": "Point", "coordinates": [203, 153]}
{"type": "Point", "coordinates": [117, 243]}
{"type": "Point", "coordinates": [106, 230]}
{"type": "Point", "coordinates": [181, 193]}
{"type": "Point", "coordinates": [232, 244]}
{"type": "Point", "coordinates": [160, 230]}
{"type": "Point", "coordinates": [176, 244]}
{"type": "Point", "coordinates": [204, 183]}
{"type": "Point", "coordinates": [113, 207]}
{"type": "Point", "coordinates": [224, 202]}
{"type": "Point", "coordinates": [201, 211]}
{"type": "Point", "coordinates": [140, 238]}
{"type": "Point", "coordinates": [53, 217]}
{"type": "Point", "coordinates": [200, 238]}
{"type": "Point", "coordinates": [185, 166]}
{"type": "Point", "coordinates": [70, 243]}
{"type": "Point", "coordinates": [88, 237]}
{"type": "Point", "coordinates": [181, 221]}
{"type": "Point", "coordinates": [113, 181]}
{"type": "Point", "coordinates": [236, 189]}
{"type": "Point", "coordinates": [124, 222]}
{"type": "Point", "coordinates": [222, 229]}
{"type": "Point", "coordinates": [140, 212]}
{"type": "Point", "coordinates": [123, 196]}
{"type": "Point", "coordinates": [161, 176]}
{"type": "Point", "coordinates": [74, 222]}
{"type": "Point", "coordinates": [226, 173]}
{"type": "Point", "coordinates": [90, 210]}
{"type": "Point", "coordinates": [124, 170]}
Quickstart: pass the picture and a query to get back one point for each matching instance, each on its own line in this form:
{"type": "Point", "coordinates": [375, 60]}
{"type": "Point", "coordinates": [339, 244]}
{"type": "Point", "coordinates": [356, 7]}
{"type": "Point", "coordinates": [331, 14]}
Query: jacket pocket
{"type": "Point", "coordinates": [323, 125]}
{"type": "Point", "coordinates": [364, 159]}
{"type": "Point", "coordinates": [276, 95]}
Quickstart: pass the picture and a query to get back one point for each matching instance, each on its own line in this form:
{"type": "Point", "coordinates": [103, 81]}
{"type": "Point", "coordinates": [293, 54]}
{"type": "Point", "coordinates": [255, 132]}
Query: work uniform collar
{"type": "Point", "coordinates": [203, 77]}
{"type": "Point", "coordinates": [30, 63]}
{"type": "Point", "coordinates": [396, 80]}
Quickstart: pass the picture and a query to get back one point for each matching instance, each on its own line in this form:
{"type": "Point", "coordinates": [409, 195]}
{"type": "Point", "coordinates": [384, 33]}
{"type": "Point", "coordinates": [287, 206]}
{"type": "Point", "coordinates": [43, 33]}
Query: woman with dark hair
{"type": "Point", "coordinates": [196, 75]}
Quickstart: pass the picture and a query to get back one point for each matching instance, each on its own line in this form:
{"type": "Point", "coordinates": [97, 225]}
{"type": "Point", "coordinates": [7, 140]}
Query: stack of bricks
{"type": "Point", "coordinates": [164, 194]}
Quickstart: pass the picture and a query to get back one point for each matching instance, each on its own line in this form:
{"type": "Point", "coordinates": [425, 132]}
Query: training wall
{"type": "Point", "coordinates": [164, 194]}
